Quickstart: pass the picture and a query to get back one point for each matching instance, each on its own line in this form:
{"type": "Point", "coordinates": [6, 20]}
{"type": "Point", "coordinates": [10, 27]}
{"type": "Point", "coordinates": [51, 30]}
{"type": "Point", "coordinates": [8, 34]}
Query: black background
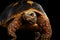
{"type": "Point", "coordinates": [50, 9]}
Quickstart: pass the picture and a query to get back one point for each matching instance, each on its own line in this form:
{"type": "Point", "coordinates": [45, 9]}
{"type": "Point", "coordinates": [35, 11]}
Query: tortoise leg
{"type": "Point", "coordinates": [37, 35]}
{"type": "Point", "coordinates": [12, 33]}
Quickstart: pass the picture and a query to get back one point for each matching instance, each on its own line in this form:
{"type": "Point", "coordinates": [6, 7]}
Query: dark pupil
{"type": "Point", "coordinates": [31, 14]}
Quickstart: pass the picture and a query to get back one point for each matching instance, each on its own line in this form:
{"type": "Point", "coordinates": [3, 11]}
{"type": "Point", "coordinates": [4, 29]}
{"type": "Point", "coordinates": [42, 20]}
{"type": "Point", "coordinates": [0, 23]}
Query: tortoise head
{"type": "Point", "coordinates": [30, 17]}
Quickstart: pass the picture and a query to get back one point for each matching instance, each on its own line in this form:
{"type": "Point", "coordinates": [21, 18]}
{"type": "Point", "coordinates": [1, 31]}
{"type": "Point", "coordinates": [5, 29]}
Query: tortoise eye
{"type": "Point", "coordinates": [31, 14]}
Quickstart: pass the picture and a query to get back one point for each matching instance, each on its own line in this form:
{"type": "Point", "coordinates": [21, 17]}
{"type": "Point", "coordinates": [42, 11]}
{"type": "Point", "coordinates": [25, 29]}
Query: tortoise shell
{"type": "Point", "coordinates": [14, 8]}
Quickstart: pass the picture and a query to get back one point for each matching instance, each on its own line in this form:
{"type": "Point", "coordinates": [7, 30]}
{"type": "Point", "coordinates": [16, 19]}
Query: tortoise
{"type": "Point", "coordinates": [26, 15]}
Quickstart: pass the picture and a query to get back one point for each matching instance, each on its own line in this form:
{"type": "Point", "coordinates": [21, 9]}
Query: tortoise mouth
{"type": "Point", "coordinates": [31, 20]}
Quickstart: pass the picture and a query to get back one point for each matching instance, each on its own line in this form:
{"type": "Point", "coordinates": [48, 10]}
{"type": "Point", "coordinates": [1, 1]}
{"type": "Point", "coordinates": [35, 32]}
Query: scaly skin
{"type": "Point", "coordinates": [42, 23]}
{"type": "Point", "coordinates": [13, 26]}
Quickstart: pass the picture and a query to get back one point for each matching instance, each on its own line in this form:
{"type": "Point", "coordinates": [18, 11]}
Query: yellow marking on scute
{"type": "Point", "coordinates": [30, 2]}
